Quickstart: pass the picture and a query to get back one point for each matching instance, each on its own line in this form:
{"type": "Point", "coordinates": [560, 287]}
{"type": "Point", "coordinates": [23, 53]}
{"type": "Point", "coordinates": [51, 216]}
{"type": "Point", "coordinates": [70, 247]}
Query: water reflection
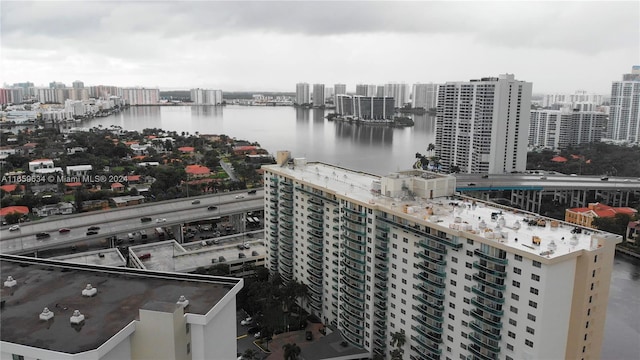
{"type": "Point", "coordinates": [302, 115]}
{"type": "Point", "coordinates": [364, 134]}
{"type": "Point", "coordinates": [318, 115]}
{"type": "Point", "coordinates": [206, 111]}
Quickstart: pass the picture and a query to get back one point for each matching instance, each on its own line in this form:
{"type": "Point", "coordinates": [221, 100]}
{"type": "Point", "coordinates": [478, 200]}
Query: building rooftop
{"type": "Point", "coordinates": [496, 223]}
{"type": "Point", "coordinates": [105, 257]}
{"type": "Point", "coordinates": [121, 293]}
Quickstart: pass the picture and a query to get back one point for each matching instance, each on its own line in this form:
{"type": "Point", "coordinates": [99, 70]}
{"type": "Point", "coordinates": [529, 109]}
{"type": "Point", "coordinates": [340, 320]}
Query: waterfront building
{"type": "Point", "coordinates": [141, 96]}
{"type": "Point", "coordinates": [460, 278]}
{"type": "Point", "coordinates": [366, 90]}
{"type": "Point", "coordinates": [318, 95]}
{"type": "Point", "coordinates": [365, 107]}
{"type": "Point", "coordinates": [584, 216]}
{"type": "Point", "coordinates": [399, 92]}
{"type": "Point", "coordinates": [13, 95]}
{"type": "Point", "coordinates": [559, 129]}
{"type": "Point", "coordinates": [78, 84]}
{"type": "Point", "coordinates": [303, 96]}
{"type": "Point", "coordinates": [624, 113]}
{"type": "Point", "coordinates": [206, 97]}
{"type": "Point", "coordinates": [339, 89]}
{"type": "Point", "coordinates": [56, 85]}
{"type": "Point", "coordinates": [424, 96]}
{"type": "Point", "coordinates": [58, 310]}
{"type": "Point", "coordinates": [571, 100]}
{"type": "Point", "coordinates": [482, 125]}
{"type": "Point", "coordinates": [380, 91]}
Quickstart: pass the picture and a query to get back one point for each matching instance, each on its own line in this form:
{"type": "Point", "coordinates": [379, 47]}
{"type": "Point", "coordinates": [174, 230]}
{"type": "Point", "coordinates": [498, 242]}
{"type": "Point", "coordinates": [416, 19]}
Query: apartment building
{"type": "Point", "coordinates": [59, 310]}
{"type": "Point", "coordinates": [365, 107]}
{"type": "Point", "coordinates": [424, 96]}
{"type": "Point", "coordinates": [367, 90]}
{"type": "Point", "coordinates": [558, 129]}
{"type": "Point", "coordinates": [318, 95]}
{"type": "Point", "coordinates": [624, 113]}
{"type": "Point", "coordinates": [141, 96]}
{"type": "Point", "coordinates": [482, 125]}
{"type": "Point", "coordinates": [399, 92]}
{"type": "Point", "coordinates": [303, 96]}
{"type": "Point", "coordinates": [339, 89]}
{"type": "Point", "coordinates": [462, 279]}
{"type": "Point", "coordinates": [206, 96]}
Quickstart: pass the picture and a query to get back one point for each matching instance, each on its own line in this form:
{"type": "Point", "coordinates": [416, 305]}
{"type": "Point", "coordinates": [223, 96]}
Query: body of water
{"type": "Point", "coordinates": [373, 149]}
{"type": "Point", "coordinates": [376, 149]}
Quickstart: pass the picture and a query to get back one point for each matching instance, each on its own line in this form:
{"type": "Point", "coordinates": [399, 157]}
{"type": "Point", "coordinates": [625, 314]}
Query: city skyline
{"type": "Point", "coordinates": [271, 46]}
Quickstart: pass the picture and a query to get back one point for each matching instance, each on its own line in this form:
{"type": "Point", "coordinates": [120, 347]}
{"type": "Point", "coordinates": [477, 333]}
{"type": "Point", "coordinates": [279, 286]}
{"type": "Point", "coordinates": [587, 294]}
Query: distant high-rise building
{"type": "Point", "coordinates": [56, 85]}
{"type": "Point", "coordinates": [328, 94]}
{"type": "Point", "coordinates": [425, 96]}
{"type": "Point", "coordinates": [15, 95]}
{"type": "Point", "coordinates": [206, 97]}
{"type": "Point", "coordinates": [402, 253]}
{"type": "Point", "coordinates": [140, 96]}
{"type": "Point", "coordinates": [339, 89]}
{"type": "Point", "coordinates": [318, 95]}
{"type": "Point", "coordinates": [624, 113]}
{"type": "Point", "coordinates": [558, 129]}
{"type": "Point", "coordinates": [570, 100]}
{"type": "Point", "coordinates": [78, 84]}
{"type": "Point", "coordinates": [399, 92]}
{"type": "Point", "coordinates": [366, 90]}
{"type": "Point", "coordinates": [482, 125]}
{"type": "Point", "coordinates": [303, 96]}
{"type": "Point", "coordinates": [365, 107]}
{"type": "Point", "coordinates": [380, 91]}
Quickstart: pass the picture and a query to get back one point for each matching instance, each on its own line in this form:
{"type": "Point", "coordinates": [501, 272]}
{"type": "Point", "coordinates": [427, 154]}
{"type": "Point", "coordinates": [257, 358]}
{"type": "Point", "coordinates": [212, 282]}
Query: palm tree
{"type": "Point", "coordinates": [291, 351]}
{"type": "Point", "coordinates": [398, 339]}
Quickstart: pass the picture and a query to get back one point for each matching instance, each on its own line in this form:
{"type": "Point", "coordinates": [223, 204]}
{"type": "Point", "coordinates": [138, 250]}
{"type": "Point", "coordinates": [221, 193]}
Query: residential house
{"type": "Point", "coordinates": [584, 216]}
{"type": "Point", "coordinates": [61, 208]}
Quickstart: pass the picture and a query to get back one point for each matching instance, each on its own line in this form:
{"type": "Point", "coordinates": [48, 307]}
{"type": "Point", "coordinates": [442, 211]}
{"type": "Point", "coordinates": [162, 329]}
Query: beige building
{"type": "Point", "coordinates": [460, 277]}
{"type": "Point", "coordinates": [58, 310]}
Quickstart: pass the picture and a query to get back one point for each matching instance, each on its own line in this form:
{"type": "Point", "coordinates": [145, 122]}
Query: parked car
{"type": "Point", "coordinates": [143, 234]}
{"type": "Point", "coordinates": [246, 321]}
{"type": "Point", "coordinates": [195, 202]}
{"type": "Point", "coordinates": [94, 228]}
{"type": "Point", "coordinates": [92, 232]}
{"type": "Point", "coordinates": [42, 235]}
{"type": "Point", "coordinates": [145, 219]}
{"type": "Point", "coordinates": [308, 335]}
{"type": "Point", "coordinates": [253, 330]}
{"type": "Point", "coordinates": [64, 230]}
{"type": "Point", "coordinates": [212, 208]}
{"type": "Point", "coordinates": [14, 227]}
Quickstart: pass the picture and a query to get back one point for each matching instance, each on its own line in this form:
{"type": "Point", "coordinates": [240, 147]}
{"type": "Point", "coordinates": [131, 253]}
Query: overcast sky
{"type": "Point", "coordinates": [559, 46]}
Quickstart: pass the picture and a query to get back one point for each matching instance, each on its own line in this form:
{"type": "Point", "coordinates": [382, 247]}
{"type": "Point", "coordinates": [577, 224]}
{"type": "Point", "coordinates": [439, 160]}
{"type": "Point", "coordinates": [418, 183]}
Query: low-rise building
{"type": "Point", "coordinates": [79, 170]}
{"type": "Point", "coordinates": [40, 164]}
{"type": "Point", "coordinates": [61, 208]}
{"type": "Point", "coordinates": [584, 216]}
{"type": "Point", "coordinates": [129, 200]}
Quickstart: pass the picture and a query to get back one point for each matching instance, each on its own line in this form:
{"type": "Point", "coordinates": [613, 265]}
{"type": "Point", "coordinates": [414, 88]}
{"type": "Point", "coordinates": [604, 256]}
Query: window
{"type": "Point", "coordinates": [537, 264]}
{"type": "Point", "coordinates": [513, 309]}
{"type": "Point", "coordinates": [188, 326]}
{"type": "Point", "coordinates": [529, 343]}
{"type": "Point", "coordinates": [395, 246]}
{"type": "Point", "coordinates": [188, 348]}
{"type": "Point", "coordinates": [595, 258]}
{"type": "Point", "coordinates": [452, 294]}
{"type": "Point", "coordinates": [464, 323]}
{"type": "Point", "coordinates": [515, 297]}
{"type": "Point", "coordinates": [469, 241]}
{"type": "Point", "coordinates": [464, 335]}
{"type": "Point", "coordinates": [509, 347]}
{"type": "Point", "coordinates": [467, 288]}
{"type": "Point", "coordinates": [468, 265]}
{"type": "Point", "coordinates": [454, 259]}
{"type": "Point", "coordinates": [450, 327]}
{"type": "Point", "coordinates": [511, 322]}
{"type": "Point", "coordinates": [588, 312]}
{"type": "Point", "coordinates": [404, 291]}
{"type": "Point", "coordinates": [518, 257]}
{"type": "Point", "coordinates": [465, 312]}
{"type": "Point", "coordinates": [593, 273]}
{"type": "Point", "coordinates": [452, 305]}
{"type": "Point", "coordinates": [469, 253]}
{"type": "Point", "coordinates": [17, 357]}
{"type": "Point", "coordinates": [533, 304]}
{"type": "Point", "coordinates": [466, 300]}
{"type": "Point", "coordinates": [467, 276]}
{"type": "Point", "coordinates": [452, 317]}
{"type": "Point", "coordinates": [404, 281]}
{"type": "Point", "coordinates": [587, 326]}
{"type": "Point", "coordinates": [452, 282]}
{"type": "Point", "coordinates": [517, 270]}
{"type": "Point", "coordinates": [531, 317]}
{"type": "Point", "coordinates": [530, 330]}
{"type": "Point", "coordinates": [512, 334]}
{"type": "Point", "coordinates": [454, 271]}
{"type": "Point", "coordinates": [585, 337]}
{"type": "Point", "coordinates": [535, 277]}
{"type": "Point", "coordinates": [516, 283]}
{"type": "Point", "coordinates": [533, 291]}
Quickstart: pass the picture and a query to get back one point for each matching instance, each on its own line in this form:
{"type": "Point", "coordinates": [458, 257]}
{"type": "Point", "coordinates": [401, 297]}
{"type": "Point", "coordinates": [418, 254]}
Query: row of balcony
{"type": "Point", "coordinates": [487, 318]}
{"type": "Point", "coordinates": [491, 258]}
{"type": "Point", "coordinates": [431, 279]}
{"type": "Point", "coordinates": [416, 230]}
{"type": "Point", "coordinates": [431, 256]}
{"type": "Point", "coordinates": [430, 301]}
{"type": "Point", "coordinates": [490, 345]}
{"type": "Point", "coordinates": [424, 332]}
{"type": "Point", "coordinates": [428, 346]}
{"type": "Point", "coordinates": [488, 306]}
{"type": "Point", "coordinates": [491, 269]}
{"type": "Point", "coordinates": [434, 326]}
{"type": "Point", "coordinates": [431, 313]}
{"type": "Point", "coordinates": [490, 281]}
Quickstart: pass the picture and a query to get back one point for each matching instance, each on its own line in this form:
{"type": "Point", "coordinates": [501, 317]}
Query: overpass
{"type": "Point", "coordinates": [528, 191]}
{"type": "Point", "coordinates": [128, 219]}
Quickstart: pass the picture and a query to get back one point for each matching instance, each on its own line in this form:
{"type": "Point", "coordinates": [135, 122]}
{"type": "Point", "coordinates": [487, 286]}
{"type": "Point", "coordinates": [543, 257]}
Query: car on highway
{"type": "Point", "coordinates": [195, 202]}
{"type": "Point", "coordinates": [251, 192]}
{"type": "Point", "coordinates": [471, 184]}
{"type": "Point", "coordinates": [161, 220]}
{"type": "Point", "coordinates": [64, 230]}
{"type": "Point", "coordinates": [145, 219]}
{"type": "Point", "coordinates": [239, 197]}
{"type": "Point", "coordinates": [42, 235]}
{"type": "Point", "coordinates": [92, 232]}
{"type": "Point", "coordinates": [212, 208]}
{"type": "Point", "coordinates": [246, 321]}
{"type": "Point", "coordinates": [94, 228]}
{"type": "Point", "coordinates": [604, 178]}
{"type": "Point", "coordinates": [14, 227]}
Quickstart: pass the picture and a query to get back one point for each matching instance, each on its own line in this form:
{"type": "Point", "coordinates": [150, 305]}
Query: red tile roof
{"type": "Point", "coordinates": [11, 187]}
{"type": "Point", "coordinates": [197, 170]}
{"type": "Point", "coordinates": [11, 209]}
{"type": "Point", "coordinates": [559, 159]}
{"type": "Point", "coordinates": [133, 178]}
{"type": "Point", "coordinates": [73, 184]}
{"type": "Point", "coordinates": [186, 149]}
{"type": "Point", "coordinates": [604, 211]}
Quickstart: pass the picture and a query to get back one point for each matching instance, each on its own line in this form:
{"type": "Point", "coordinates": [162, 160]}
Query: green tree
{"type": "Point", "coordinates": [398, 339]}
{"type": "Point", "coordinates": [291, 351]}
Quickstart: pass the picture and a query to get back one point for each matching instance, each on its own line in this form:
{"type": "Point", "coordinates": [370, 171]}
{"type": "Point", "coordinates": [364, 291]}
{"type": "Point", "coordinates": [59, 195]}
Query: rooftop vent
{"type": "Point", "coordinates": [10, 282]}
{"type": "Point", "coordinates": [552, 246]}
{"type": "Point", "coordinates": [76, 318]}
{"type": "Point", "coordinates": [46, 314]}
{"type": "Point", "coordinates": [182, 301]}
{"type": "Point", "coordinates": [574, 240]}
{"type": "Point", "coordinates": [89, 291]}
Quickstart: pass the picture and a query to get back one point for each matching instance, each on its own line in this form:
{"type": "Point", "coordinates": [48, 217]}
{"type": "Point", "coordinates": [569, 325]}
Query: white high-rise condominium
{"type": "Point", "coordinates": [318, 95]}
{"type": "Point", "coordinates": [459, 277]}
{"type": "Point", "coordinates": [303, 96]}
{"type": "Point", "coordinates": [400, 92]}
{"type": "Point", "coordinates": [624, 113]}
{"type": "Point", "coordinates": [558, 129]}
{"type": "Point", "coordinates": [482, 126]}
{"type": "Point", "coordinates": [339, 89]}
{"type": "Point", "coordinates": [366, 90]}
{"type": "Point", "coordinates": [206, 97]}
{"type": "Point", "coordinates": [425, 96]}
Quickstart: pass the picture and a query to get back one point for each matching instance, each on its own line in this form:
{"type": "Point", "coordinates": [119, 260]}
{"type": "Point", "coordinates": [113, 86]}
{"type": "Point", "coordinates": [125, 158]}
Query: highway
{"type": "Point", "coordinates": [126, 219]}
{"type": "Point", "coordinates": [546, 181]}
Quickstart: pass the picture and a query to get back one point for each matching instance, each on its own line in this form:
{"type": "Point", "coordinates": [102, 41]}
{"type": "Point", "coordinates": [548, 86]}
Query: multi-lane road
{"type": "Point", "coordinates": [543, 181]}
{"type": "Point", "coordinates": [127, 219]}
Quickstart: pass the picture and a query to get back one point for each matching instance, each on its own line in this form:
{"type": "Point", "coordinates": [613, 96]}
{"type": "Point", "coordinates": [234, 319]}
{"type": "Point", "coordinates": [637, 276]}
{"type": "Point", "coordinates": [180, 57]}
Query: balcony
{"type": "Point", "coordinates": [489, 319]}
{"type": "Point", "coordinates": [489, 345]}
{"type": "Point", "coordinates": [481, 353]}
{"type": "Point", "coordinates": [381, 286]}
{"type": "Point", "coordinates": [314, 201]}
{"type": "Point", "coordinates": [433, 303]}
{"type": "Point", "coordinates": [356, 249]}
{"type": "Point", "coordinates": [316, 209]}
{"type": "Point", "coordinates": [486, 307]}
{"type": "Point", "coordinates": [488, 283]}
{"type": "Point", "coordinates": [436, 338]}
{"type": "Point", "coordinates": [427, 344]}
{"type": "Point", "coordinates": [431, 279]}
{"type": "Point", "coordinates": [353, 266]}
{"type": "Point", "coordinates": [382, 277]}
{"type": "Point", "coordinates": [495, 260]}
{"type": "Point", "coordinates": [352, 309]}
{"type": "Point", "coordinates": [381, 305]}
{"type": "Point", "coordinates": [382, 267]}
{"type": "Point", "coordinates": [436, 327]}
{"type": "Point", "coordinates": [315, 233]}
{"type": "Point", "coordinates": [494, 296]}
{"type": "Point", "coordinates": [348, 255]}
{"type": "Point", "coordinates": [354, 287]}
{"type": "Point", "coordinates": [432, 314]}
{"type": "Point", "coordinates": [493, 334]}
{"type": "Point", "coordinates": [500, 272]}
{"type": "Point", "coordinates": [353, 276]}
{"type": "Point", "coordinates": [433, 247]}
{"type": "Point", "coordinates": [315, 250]}
{"type": "Point", "coordinates": [438, 271]}
{"type": "Point", "coordinates": [432, 257]}
{"type": "Point", "coordinates": [356, 212]}
{"type": "Point", "coordinates": [382, 257]}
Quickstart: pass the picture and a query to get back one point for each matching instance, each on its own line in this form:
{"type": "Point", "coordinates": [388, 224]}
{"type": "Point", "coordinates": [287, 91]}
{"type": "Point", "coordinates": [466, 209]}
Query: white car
{"type": "Point", "coordinates": [161, 220]}
{"type": "Point", "coordinates": [239, 196]}
{"type": "Point", "coordinates": [257, 335]}
{"type": "Point", "coordinates": [14, 228]}
{"type": "Point", "coordinates": [246, 321]}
